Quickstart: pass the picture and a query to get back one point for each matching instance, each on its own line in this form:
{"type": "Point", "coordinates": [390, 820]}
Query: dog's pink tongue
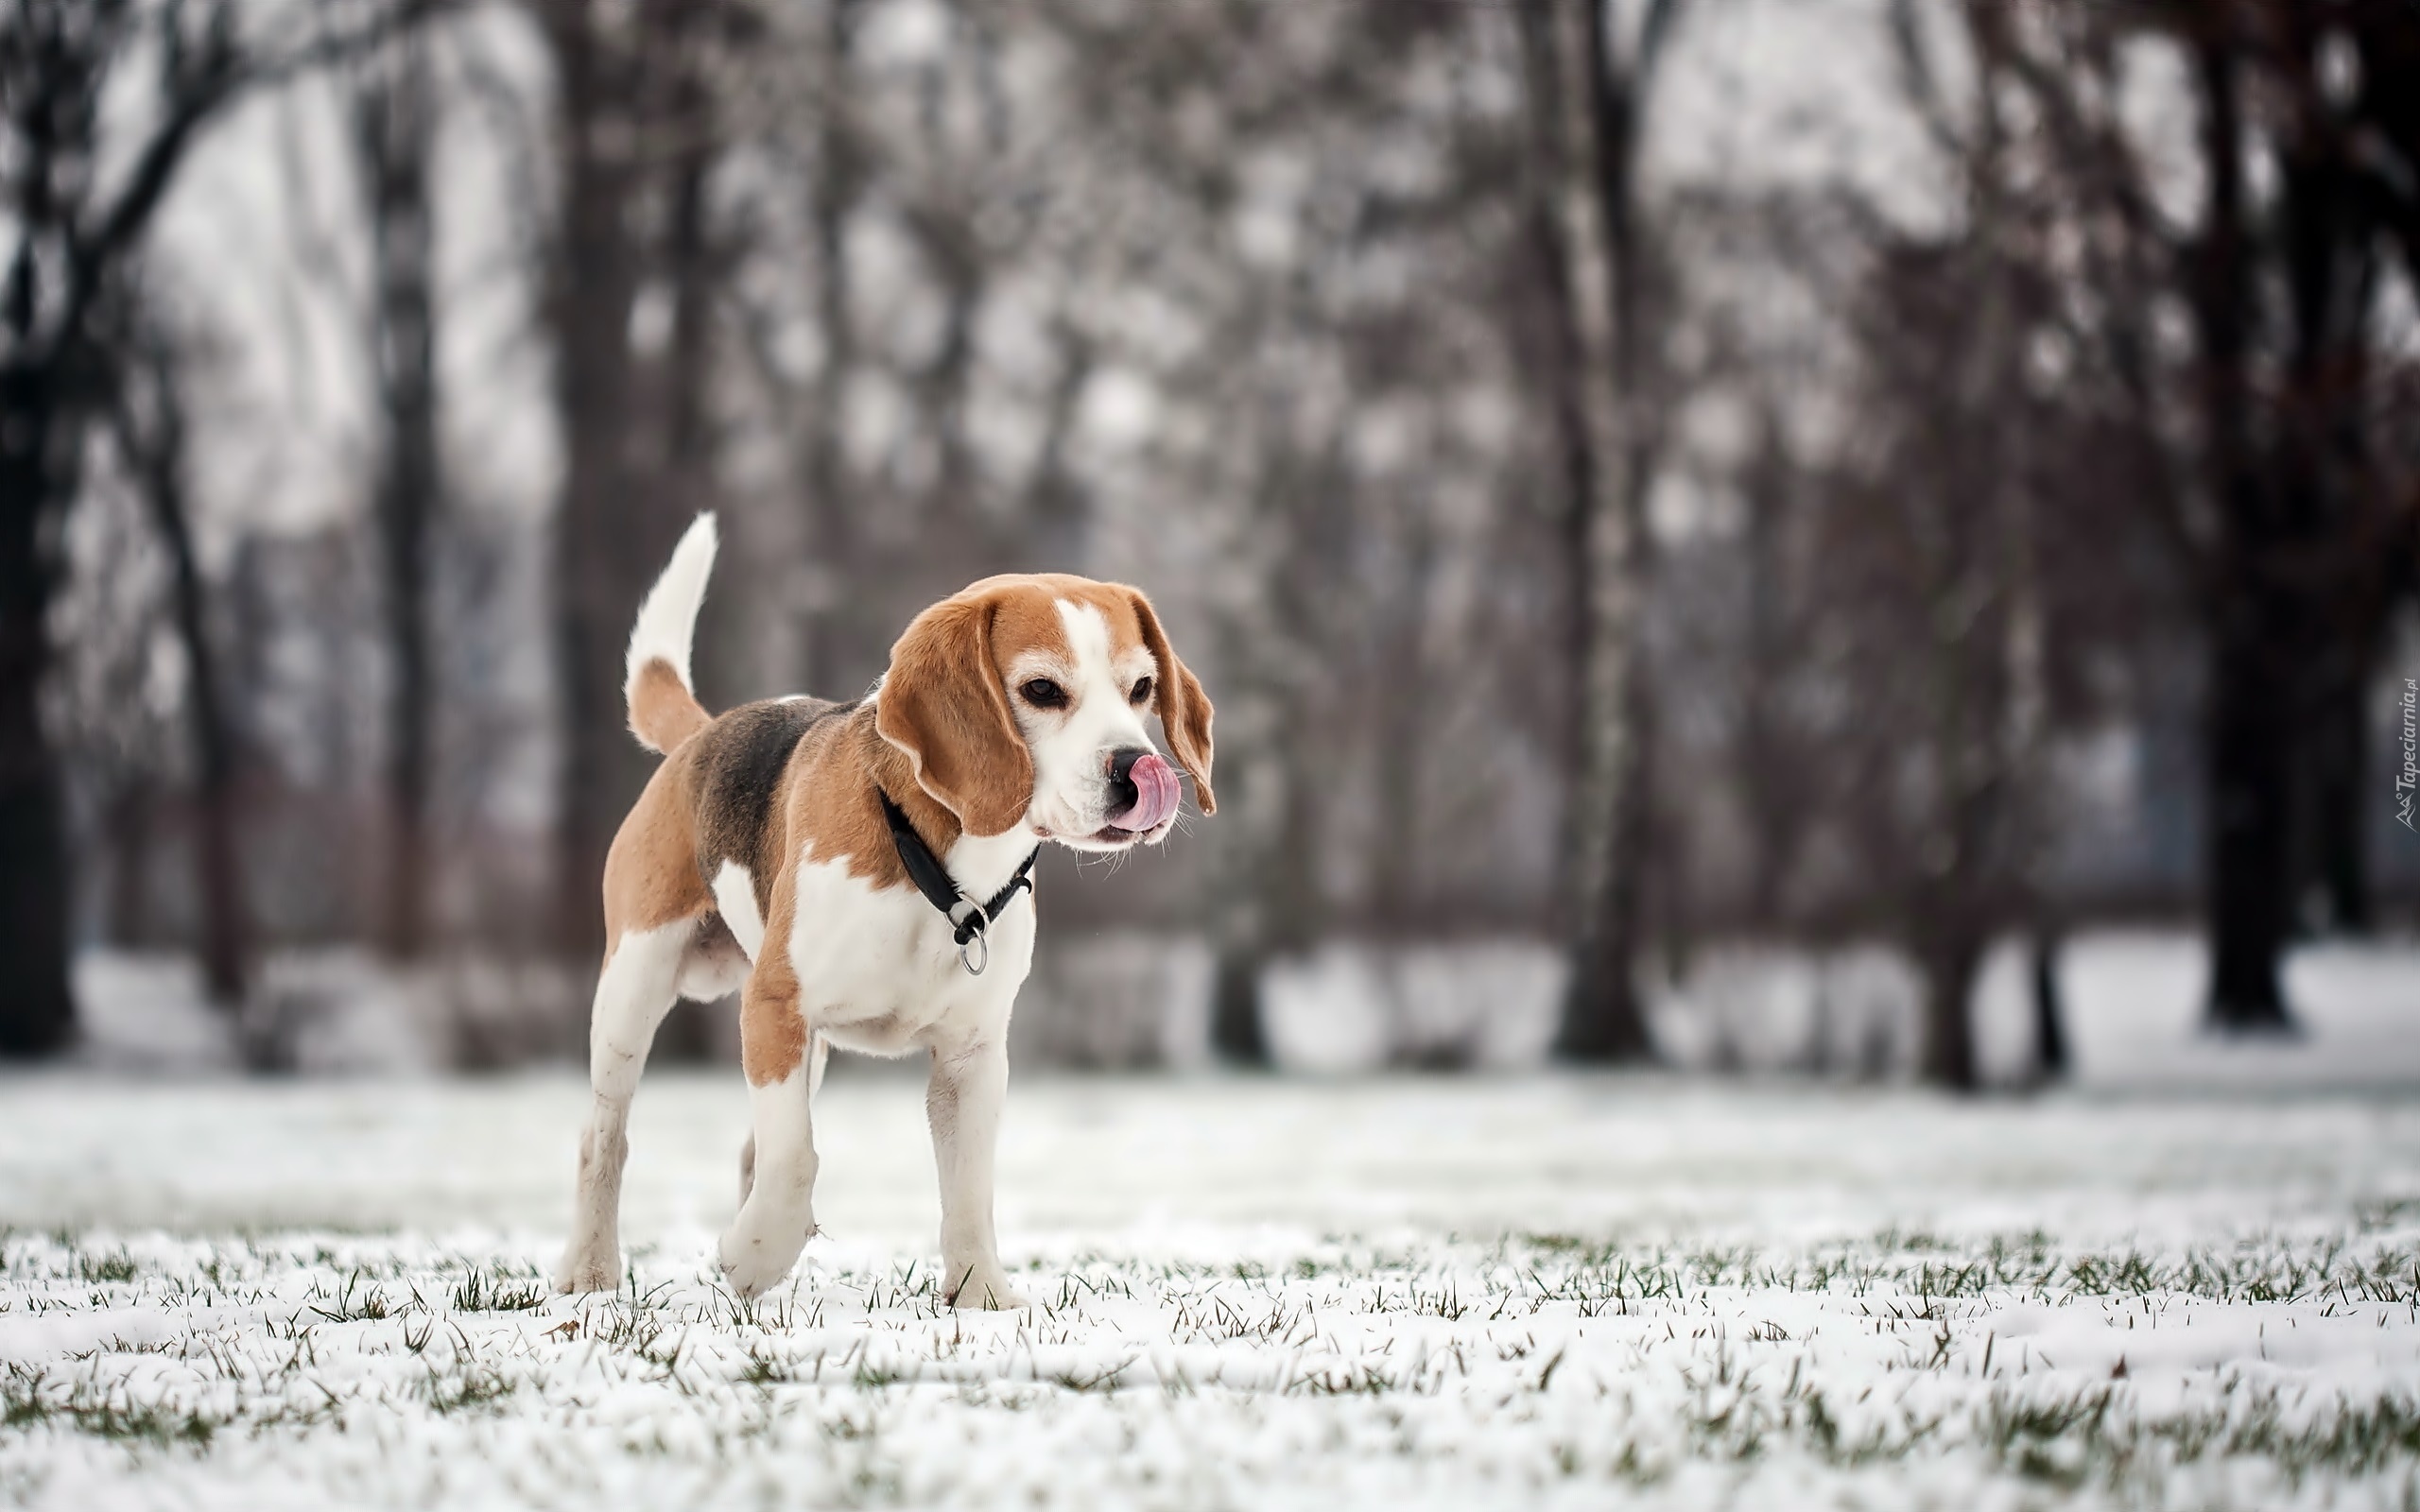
{"type": "Point", "coordinates": [1155, 795]}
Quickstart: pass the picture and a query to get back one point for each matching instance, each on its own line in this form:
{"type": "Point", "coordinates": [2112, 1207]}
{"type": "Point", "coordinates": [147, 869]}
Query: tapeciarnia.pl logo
{"type": "Point", "coordinates": [2407, 781]}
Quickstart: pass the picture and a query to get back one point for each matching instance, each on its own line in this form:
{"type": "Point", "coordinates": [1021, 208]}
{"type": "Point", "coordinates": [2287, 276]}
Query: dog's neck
{"type": "Point", "coordinates": [980, 864]}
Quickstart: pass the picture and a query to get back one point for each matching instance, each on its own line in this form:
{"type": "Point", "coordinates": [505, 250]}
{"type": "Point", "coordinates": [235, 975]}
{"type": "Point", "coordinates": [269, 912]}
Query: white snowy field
{"type": "Point", "coordinates": [1429, 1293]}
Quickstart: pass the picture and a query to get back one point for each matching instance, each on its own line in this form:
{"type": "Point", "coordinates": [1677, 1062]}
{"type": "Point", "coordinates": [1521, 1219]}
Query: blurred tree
{"type": "Point", "coordinates": [151, 431]}
{"type": "Point", "coordinates": [2312, 545]}
{"type": "Point", "coordinates": [393, 136]}
{"type": "Point", "coordinates": [842, 168]}
{"type": "Point", "coordinates": [1973, 599]}
{"type": "Point", "coordinates": [1587, 95]}
{"type": "Point", "coordinates": [630, 279]}
{"type": "Point", "coordinates": [1920, 597]}
{"type": "Point", "coordinates": [1290, 312]}
{"type": "Point", "coordinates": [2265, 444]}
{"type": "Point", "coordinates": [1764, 761]}
{"type": "Point", "coordinates": [82, 198]}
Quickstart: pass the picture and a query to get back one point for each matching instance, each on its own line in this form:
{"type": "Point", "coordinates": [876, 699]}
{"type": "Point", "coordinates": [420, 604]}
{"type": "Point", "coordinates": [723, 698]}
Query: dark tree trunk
{"type": "Point", "coordinates": [68, 248]}
{"type": "Point", "coordinates": [150, 430]}
{"type": "Point", "coordinates": [615, 527]}
{"type": "Point", "coordinates": [1762, 766]}
{"type": "Point", "coordinates": [594, 278]}
{"type": "Point", "coordinates": [1289, 914]}
{"type": "Point", "coordinates": [44, 400]}
{"type": "Point", "coordinates": [226, 927]}
{"type": "Point", "coordinates": [2300, 574]}
{"type": "Point", "coordinates": [1618, 1028]}
{"type": "Point", "coordinates": [629, 304]}
{"type": "Point", "coordinates": [1582, 111]}
{"type": "Point", "coordinates": [830, 505]}
{"type": "Point", "coordinates": [2051, 1060]}
{"type": "Point", "coordinates": [679, 478]}
{"type": "Point", "coordinates": [691, 271]}
{"type": "Point", "coordinates": [394, 130]}
{"type": "Point", "coordinates": [2326, 474]}
{"type": "Point", "coordinates": [1603, 1019]}
{"type": "Point", "coordinates": [1396, 891]}
{"type": "Point", "coordinates": [1564, 368]}
{"type": "Point", "coordinates": [2249, 757]}
{"type": "Point", "coordinates": [2249, 728]}
{"type": "Point", "coordinates": [37, 1012]}
{"type": "Point", "coordinates": [2337, 788]}
{"type": "Point", "coordinates": [1235, 1031]}
{"type": "Point", "coordinates": [1950, 963]}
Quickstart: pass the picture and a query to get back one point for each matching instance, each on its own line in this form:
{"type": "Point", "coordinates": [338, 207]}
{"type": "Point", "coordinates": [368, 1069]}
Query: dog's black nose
{"type": "Point", "coordinates": [1122, 794]}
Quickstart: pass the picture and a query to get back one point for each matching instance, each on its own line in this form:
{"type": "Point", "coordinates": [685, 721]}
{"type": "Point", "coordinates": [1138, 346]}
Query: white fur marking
{"type": "Point", "coordinates": [668, 620]}
{"type": "Point", "coordinates": [633, 993]}
{"type": "Point", "coordinates": [1071, 748]}
{"type": "Point", "coordinates": [735, 895]}
{"type": "Point", "coordinates": [877, 969]}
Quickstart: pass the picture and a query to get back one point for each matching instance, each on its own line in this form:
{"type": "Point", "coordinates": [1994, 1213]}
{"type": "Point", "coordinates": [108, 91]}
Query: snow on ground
{"type": "Point", "coordinates": [1416, 1292]}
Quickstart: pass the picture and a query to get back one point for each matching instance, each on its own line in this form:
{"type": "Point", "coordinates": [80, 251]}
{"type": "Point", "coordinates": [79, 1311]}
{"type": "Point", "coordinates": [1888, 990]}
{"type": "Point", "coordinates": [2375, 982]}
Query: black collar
{"type": "Point", "coordinates": [925, 870]}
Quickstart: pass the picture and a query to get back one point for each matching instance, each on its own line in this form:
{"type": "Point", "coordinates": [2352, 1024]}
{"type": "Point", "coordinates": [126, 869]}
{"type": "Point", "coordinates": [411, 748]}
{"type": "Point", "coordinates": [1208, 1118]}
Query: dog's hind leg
{"type": "Point", "coordinates": [635, 991]}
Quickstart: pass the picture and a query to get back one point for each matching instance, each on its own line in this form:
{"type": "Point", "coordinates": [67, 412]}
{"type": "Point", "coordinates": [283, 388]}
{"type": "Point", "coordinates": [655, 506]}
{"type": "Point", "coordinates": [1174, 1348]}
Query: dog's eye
{"type": "Point", "coordinates": [1142, 693]}
{"type": "Point", "coordinates": [1043, 693]}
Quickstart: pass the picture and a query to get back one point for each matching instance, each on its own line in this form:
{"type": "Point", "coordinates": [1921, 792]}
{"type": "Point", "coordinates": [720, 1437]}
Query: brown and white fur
{"type": "Point", "coordinates": [758, 858]}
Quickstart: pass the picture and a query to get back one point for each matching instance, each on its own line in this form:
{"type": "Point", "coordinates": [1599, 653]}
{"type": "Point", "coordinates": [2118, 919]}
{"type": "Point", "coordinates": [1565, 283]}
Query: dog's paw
{"type": "Point", "coordinates": [588, 1273]}
{"type": "Point", "coordinates": [753, 1263]}
{"type": "Point", "coordinates": [987, 1291]}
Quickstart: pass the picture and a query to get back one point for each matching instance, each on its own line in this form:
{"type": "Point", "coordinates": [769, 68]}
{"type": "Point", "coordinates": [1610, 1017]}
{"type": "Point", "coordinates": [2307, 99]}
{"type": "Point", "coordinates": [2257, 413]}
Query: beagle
{"type": "Point", "coordinates": [856, 870]}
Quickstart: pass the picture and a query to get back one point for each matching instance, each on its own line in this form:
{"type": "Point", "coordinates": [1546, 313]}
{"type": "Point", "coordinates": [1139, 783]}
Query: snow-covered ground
{"type": "Point", "coordinates": [1429, 1293]}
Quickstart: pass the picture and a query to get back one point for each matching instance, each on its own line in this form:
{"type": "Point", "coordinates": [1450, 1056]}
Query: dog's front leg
{"type": "Point", "coordinates": [970, 1082]}
{"type": "Point", "coordinates": [778, 1216]}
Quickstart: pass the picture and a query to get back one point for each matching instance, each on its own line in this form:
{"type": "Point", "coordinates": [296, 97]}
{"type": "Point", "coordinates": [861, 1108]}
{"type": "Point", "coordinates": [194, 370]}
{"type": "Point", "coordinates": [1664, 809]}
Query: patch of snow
{"type": "Point", "coordinates": [143, 1014]}
{"type": "Point", "coordinates": [1434, 1293]}
{"type": "Point", "coordinates": [1356, 1007]}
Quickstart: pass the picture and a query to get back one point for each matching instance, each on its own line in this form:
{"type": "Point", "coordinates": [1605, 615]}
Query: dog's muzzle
{"type": "Point", "coordinates": [1143, 791]}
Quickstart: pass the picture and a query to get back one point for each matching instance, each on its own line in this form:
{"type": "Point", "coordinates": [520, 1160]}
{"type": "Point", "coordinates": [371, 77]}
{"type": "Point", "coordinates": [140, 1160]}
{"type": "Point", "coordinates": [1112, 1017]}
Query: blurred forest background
{"type": "Point", "coordinates": [1887, 485]}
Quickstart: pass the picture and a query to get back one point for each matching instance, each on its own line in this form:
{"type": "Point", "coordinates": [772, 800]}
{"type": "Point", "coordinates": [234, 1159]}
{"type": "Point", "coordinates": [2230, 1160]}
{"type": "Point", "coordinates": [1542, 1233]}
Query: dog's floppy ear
{"type": "Point", "coordinates": [1183, 707]}
{"type": "Point", "coordinates": [943, 703]}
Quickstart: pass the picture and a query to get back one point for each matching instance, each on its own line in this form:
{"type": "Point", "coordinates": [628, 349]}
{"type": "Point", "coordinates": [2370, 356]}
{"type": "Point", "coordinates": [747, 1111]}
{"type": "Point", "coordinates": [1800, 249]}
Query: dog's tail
{"type": "Point", "coordinates": [665, 710]}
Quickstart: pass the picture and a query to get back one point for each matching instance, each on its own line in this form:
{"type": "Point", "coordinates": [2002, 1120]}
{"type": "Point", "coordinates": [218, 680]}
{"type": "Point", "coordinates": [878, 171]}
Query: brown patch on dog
{"type": "Point", "coordinates": [1026, 618]}
{"type": "Point", "coordinates": [1177, 696]}
{"type": "Point", "coordinates": [663, 713]}
{"type": "Point", "coordinates": [842, 771]}
{"type": "Point", "coordinates": [772, 1032]}
{"type": "Point", "coordinates": [651, 870]}
{"type": "Point", "coordinates": [945, 705]}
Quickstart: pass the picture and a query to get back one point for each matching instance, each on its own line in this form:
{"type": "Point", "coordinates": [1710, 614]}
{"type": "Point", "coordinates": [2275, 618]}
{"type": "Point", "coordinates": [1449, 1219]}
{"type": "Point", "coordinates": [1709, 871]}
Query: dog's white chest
{"type": "Point", "coordinates": [879, 969]}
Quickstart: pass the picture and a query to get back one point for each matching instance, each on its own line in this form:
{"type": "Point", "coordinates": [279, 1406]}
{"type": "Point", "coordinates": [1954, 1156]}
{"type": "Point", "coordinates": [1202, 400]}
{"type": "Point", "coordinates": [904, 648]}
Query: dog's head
{"type": "Point", "coordinates": [1023, 698]}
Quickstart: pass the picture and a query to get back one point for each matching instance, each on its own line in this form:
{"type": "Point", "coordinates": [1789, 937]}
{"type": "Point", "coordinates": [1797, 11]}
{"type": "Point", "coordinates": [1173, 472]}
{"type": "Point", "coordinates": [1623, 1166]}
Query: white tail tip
{"type": "Point", "coordinates": [669, 618]}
